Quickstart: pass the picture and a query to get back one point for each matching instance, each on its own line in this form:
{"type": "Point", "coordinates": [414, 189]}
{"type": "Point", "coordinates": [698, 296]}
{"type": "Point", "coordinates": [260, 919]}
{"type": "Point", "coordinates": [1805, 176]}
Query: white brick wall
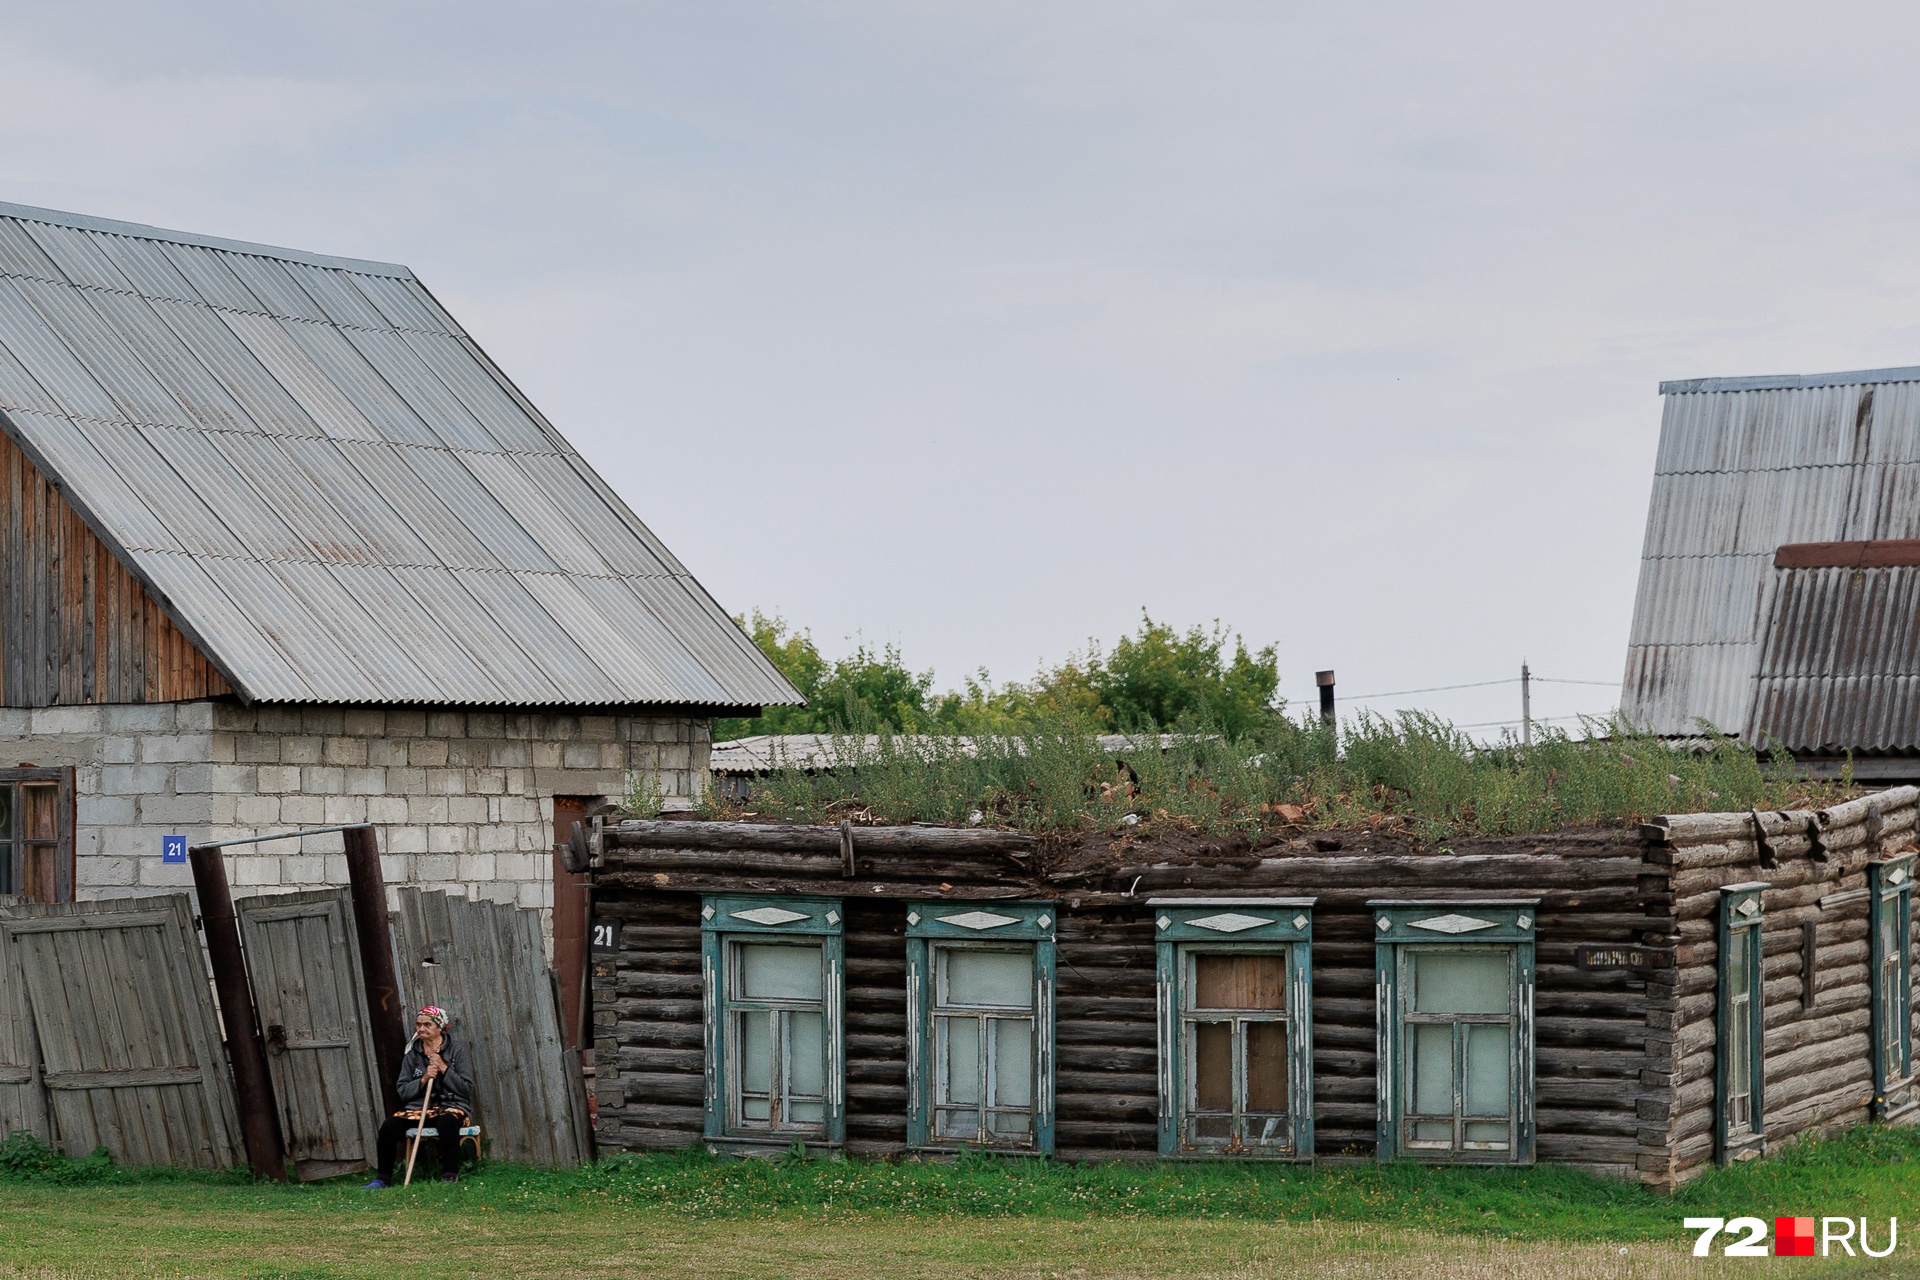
{"type": "Point", "coordinates": [463, 800]}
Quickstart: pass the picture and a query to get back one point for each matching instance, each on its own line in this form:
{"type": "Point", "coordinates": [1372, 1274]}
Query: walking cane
{"type": "Point", "coordinates": [414, 1150]}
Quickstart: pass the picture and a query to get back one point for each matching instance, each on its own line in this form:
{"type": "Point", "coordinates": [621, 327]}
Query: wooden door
{"type": "Point", "coordinates": [569, 920]}
{"type": "Point", "coordinates": [131, 1056]}
{"type": "Point", "coordinates": [303, 961]}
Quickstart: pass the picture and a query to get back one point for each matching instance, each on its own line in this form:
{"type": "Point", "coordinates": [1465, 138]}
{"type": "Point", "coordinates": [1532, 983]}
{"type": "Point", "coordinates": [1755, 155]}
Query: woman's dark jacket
{"type": "Point", "coordinates": [451, 1088]}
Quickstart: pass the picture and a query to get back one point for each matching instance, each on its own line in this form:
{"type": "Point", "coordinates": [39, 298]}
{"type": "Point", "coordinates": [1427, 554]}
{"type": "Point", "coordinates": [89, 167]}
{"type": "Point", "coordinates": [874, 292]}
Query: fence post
{"type": "Point", "coordinates": [252, 1087]}
{"type": "Point", "coordinates": [386, 1020]}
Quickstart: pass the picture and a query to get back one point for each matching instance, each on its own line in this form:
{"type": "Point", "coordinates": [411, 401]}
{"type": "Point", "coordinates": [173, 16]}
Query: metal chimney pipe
{"type": "Point", "coordinates": [1325, 680]}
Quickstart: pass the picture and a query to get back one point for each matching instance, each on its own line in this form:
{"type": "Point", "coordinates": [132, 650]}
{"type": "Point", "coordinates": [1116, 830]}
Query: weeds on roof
{"type": "Point", "coordinates": [1413, 773]}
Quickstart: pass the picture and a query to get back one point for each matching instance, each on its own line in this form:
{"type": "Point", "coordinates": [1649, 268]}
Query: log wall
{"type": "Point", "coordinates": [1819, 1072]}
{"type": "Point", "coordinates": [1592, 1025]}
{"type": "Point", "coordinates": [75, 627]}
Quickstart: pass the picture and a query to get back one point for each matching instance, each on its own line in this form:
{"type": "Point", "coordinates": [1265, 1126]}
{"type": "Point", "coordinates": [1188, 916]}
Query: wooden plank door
{"type": "Point", "coordinates": [303, 961]}
{"type": "Point", "coordinates": [131, 1055]}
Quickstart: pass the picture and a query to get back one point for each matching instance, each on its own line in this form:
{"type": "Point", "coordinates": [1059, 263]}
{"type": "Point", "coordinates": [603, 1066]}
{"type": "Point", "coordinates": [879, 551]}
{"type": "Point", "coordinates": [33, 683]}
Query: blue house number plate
{"type": "Point", "coordinates": [173, 848]}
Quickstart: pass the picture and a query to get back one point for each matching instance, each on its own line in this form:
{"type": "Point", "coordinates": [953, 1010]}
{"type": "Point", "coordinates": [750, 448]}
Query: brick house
{"type": "Point", "coordinates": [281, 547]}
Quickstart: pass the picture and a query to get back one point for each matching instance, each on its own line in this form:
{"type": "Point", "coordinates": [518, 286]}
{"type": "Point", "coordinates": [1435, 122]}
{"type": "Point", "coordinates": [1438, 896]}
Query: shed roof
{"type": "Point", "coordinates": [1770, 646]}
{"type": "Point", "coordinates": [331, 488]}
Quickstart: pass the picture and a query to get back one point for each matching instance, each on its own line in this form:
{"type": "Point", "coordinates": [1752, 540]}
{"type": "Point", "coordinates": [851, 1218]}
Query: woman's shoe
{"type": "Point", "coordinates": [378, 1184]}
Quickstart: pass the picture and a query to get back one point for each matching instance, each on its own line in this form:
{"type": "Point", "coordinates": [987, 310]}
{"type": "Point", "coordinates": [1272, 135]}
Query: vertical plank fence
{"type": "Point", "coordinates": [116, 996]}
{"type": "Point", "coordinates": [303, 961]}
{"type": "Point", "coordinates": [486, 965]}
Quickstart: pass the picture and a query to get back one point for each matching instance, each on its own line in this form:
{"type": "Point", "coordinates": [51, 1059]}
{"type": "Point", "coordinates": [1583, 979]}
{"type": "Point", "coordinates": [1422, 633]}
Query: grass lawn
{"type": "Point", "coordinates": [698, 1217]}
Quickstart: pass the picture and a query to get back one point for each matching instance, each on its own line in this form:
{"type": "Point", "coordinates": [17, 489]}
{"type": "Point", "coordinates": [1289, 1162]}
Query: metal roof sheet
{"type": "Point", "coordinates": [331, 488]}
{"type": "Point", "coordinates": [1744, 467]}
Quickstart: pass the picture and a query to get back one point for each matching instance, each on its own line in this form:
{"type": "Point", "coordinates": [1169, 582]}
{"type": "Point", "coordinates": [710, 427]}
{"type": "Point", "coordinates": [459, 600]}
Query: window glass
{"type": "Point", "coordinates": [776, 972]}
{"type": "Point", "coordinates": [1737, 977]}
{"type": "Point", "coordinates": [987, 979]}
{"type": "Point", "coordinates": [1012, 1076]}
{"type": "Point", "coordinates": [1487, 1070]}
{"type": "Point", "coordinates": [1433, 1069]}
{"type": "Point", "coordinates": [963, 1059]}
{"type": "Point", "coordinates": [756, 1065]}
{"type": "Point", "coordinates": [1461, 981]}
{"type": "Point", "coordinates": [1239, 982]}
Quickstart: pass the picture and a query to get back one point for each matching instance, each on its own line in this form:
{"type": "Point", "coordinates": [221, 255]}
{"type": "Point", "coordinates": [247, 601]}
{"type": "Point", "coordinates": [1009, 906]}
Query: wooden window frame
{"type": "Point", "coordinates": [1404, 927]}
{"type": "Point", "coordinates": [1891, 886]}
{"type": "Point", "coordinates": [725, 921]}
{"type": "Point", "coordinates": [1742, 910]}
{"type": "Point", "coordinates": [13, 848]}
{"type": "Point", "coordinates": [1188, 927]}
{"type": "Point", "coordinates": [983, 926]}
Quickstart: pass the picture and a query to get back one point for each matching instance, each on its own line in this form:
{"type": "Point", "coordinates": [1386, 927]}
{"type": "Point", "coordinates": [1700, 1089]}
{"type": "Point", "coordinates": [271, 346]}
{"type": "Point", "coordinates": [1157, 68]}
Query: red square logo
{"type": "Point", "coordinates": [1793, 1237]}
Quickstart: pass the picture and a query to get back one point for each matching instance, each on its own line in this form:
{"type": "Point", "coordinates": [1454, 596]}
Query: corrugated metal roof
{"type": "Point", "coordinates": [766, 752]}
{"type": "Point", "coordinates": [331, 488]}
{"type": "Point", "coordinates": [1746, 465]}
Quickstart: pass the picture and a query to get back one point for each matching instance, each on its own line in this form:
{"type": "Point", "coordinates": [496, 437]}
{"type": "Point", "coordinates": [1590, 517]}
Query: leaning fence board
{"type": "Point", "coordinates": [23, 1102]}
{"type": "Point", "coordinates": [485, 964]}
{"type": "Point", "coordinates": [117, 997]}
{"type": "Point", "coordinates": [303, 960]}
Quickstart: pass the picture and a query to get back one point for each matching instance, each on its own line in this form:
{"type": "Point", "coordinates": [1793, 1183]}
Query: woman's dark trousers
{"type": "Point", "coordinates": [393, 1134]}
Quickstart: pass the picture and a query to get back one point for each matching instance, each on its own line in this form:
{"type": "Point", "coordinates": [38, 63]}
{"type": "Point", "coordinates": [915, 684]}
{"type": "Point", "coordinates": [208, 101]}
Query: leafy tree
{"type": "Point", "coordinates": [1160, 679]}
{"type": "Point", "coordinates": [861, 693]}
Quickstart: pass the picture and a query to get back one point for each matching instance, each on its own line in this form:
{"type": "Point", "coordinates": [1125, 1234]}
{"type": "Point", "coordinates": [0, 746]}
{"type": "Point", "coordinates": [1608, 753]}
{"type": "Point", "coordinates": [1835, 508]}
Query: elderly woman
{"type": "Point", "coordinates": [434, 1055]}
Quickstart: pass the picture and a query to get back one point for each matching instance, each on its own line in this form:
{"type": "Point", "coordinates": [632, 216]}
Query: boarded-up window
{"type": "Point", "coordinates": [36, 833]}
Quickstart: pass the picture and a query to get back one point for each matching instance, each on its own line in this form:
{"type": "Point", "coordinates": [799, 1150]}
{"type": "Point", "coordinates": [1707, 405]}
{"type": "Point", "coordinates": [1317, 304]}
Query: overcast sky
{"type": "Point", "coordinates": [978, 328]}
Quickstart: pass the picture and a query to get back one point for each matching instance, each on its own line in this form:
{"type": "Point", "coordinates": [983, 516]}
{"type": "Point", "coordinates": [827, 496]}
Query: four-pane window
{"type": "Point", "coordinates": [1454, 1030]}
{"type": "Point", "coordinates": [980, 1025]}
{"type": "Point", "coordinates": [773, 977]}
{"type": "Point", "coordinates": [984, 1042]}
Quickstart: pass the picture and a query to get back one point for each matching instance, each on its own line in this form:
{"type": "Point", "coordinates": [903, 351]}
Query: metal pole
{"type": "Point", "coordinates": [1526, 704]}
{"type": "Point", "coordinates": [252, 1087]}
{"type": "Point", "coordinates": [1325, 680]}
{"type": "Point", "coordinates": [385, 1018]}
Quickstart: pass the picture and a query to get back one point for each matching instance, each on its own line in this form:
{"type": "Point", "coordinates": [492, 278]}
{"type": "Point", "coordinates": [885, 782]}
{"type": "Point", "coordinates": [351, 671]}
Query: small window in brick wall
{"type": "Point", "coordinates": [36, 834]}
{"type": "Point", "coordinates": [774, 983]}
{"type": "Point", "coordinates": [1455, 1030]}
{"type": "Point", "coordinates": [1891, 953]}
{"type": "Point", "coordinates": [1740, 1027]}
{"type": "Point", "coordinates": [1235, 988]}
{"type": "Point", "coordinates": [980, 997]}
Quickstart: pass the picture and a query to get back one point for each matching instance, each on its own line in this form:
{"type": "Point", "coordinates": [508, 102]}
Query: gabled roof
{"type": "Point", "coordinates": [330, 487]}
{"type": "Point", "coordinates": [1739, 623]}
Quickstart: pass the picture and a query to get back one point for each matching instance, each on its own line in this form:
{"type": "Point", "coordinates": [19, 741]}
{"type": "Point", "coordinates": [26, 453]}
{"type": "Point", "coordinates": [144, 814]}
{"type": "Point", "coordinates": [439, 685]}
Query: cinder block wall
{"type": "Point", "coordinates": [463, 799]}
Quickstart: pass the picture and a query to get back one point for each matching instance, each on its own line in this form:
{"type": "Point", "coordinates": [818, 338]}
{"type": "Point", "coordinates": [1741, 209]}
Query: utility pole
{"type": "Point", "coordinates": [1526, 704]}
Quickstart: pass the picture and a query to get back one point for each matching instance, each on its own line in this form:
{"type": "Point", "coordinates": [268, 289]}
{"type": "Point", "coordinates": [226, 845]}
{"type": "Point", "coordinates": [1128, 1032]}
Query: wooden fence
{"type": "Point", "coordinates": [485, 964]}
{"type": "Point", "coordinates": [109, 1035]}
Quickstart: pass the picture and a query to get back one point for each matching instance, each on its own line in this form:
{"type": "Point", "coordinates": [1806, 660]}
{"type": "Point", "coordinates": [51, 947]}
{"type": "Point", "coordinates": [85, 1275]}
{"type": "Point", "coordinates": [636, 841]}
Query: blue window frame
{"type": "Point", "coordinates": [1740, 1026]}
{"type": "Point", "coordinates": [1891, 954]}
{"type": "Point", "coordinates": [773, 972]}
{"type": "Point", "coordinates": [980, 998]}
{"type": "Point", "coordinates": [1454, 1007]}
{"type": "Point", "coordinates": [1235, 1004]}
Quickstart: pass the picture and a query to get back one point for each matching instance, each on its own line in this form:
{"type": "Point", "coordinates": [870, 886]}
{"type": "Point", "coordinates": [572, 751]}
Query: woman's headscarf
{"type": "Point", "coordinates": [436, 1013]}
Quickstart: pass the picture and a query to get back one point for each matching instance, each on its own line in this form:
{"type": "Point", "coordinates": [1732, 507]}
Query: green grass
{"type": "Point", "coordinates": [1414, 773]}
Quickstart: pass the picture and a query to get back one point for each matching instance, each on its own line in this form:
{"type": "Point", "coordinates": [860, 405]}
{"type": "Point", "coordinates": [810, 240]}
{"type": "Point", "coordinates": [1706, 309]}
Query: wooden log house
{"type": "Point", "coordinates": [888, 991]}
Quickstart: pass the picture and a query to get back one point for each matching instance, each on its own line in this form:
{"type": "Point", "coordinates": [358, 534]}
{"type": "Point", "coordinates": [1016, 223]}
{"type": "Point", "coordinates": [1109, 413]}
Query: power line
{"type": "Point", "coordinates": [1494, 724]}
{"type": "Point", "coordinates": [1477, 684]}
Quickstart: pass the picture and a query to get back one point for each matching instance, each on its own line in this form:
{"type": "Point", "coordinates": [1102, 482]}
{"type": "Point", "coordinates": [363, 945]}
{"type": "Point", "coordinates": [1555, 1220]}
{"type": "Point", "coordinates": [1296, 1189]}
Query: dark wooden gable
{"type": "Point", "coordinates": [75, 626]}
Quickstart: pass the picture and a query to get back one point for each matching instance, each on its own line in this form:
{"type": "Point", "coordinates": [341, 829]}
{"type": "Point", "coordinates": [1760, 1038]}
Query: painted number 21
{"type": "Point", "coordinates": [603, 937]}
{"type": "Point", "coordinates": [1751, 1245]}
